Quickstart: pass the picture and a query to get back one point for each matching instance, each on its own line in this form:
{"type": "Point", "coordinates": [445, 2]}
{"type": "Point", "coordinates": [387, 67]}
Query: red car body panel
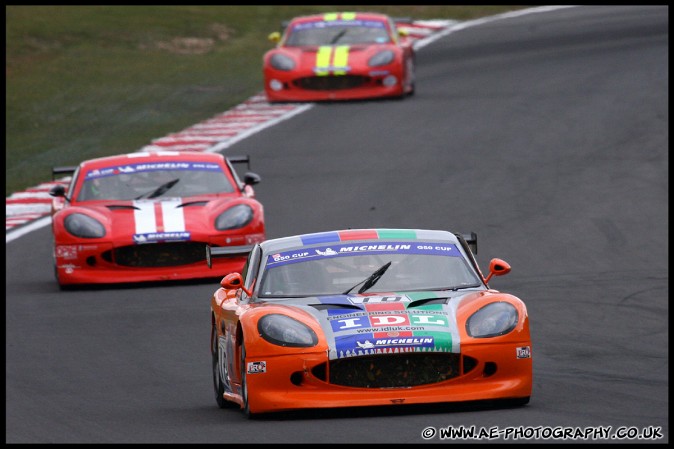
{"type": "Point", "coordinates": [340, 71]}
{"type": "Point", "coordinates": [152, 239]}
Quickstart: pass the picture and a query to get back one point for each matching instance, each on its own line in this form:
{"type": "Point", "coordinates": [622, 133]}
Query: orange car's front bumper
{"type": "Point", "coordinates": [495, 373]}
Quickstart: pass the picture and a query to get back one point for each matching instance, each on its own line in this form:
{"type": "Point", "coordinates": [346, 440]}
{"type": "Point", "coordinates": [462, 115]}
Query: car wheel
{"type": "Point", "coordinates": [411, 77]}
{"type": "Point", "coordinates": [62, 287]}
{"type": "Point", "coordinates": [218, 382]}
{"type": "Point", "coordinates": [56, 276]}
{"type": "Point", "coordinates": [218, 385]}
{"type": "Point", "coordinates": [517, 402]}
{"type": "Point", "coordinates": [244, 384]}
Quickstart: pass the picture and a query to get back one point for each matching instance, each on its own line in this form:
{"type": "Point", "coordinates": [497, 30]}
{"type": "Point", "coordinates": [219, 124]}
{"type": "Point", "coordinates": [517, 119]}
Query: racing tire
{"type": "Point", "coordinates": [412, 77]}
{"type": "Point", "coordinates": [517, 402]}
{"type": "Point", "coordinates": [62, 287]}
{"type": "Point", "coordinates": [244, 384]}
{"type": "Point", "coordinates": [218, 384]}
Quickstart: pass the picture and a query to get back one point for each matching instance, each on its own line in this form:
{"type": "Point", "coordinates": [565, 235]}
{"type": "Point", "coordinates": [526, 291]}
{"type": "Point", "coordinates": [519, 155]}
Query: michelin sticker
{"type": "Point", "coordinates": [301, 255]}
{"type": "Point", "coordinates": [153, 237]}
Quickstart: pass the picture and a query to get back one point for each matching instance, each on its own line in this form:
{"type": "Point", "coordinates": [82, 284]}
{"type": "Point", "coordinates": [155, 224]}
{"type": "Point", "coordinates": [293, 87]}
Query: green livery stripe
{"type": "Point", "coordinates": [443, 340]}
{"type": "Point", "coordinates": [419, 295]}
{"type": "Point", "coordinates": [396, 234]}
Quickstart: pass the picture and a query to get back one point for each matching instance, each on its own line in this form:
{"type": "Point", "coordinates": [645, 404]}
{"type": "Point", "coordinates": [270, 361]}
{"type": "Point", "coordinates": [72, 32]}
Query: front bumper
{"type": "Point", "coordinates": [281, 86]}
{"type": "Point", "coordinates": [106, 264]}
{"type": "Point", "coordinates": [487, 371]}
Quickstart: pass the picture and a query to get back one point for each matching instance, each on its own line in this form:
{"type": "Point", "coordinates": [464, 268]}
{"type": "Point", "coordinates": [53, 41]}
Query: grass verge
{"type": "Point", "coordinates": [89, 81]}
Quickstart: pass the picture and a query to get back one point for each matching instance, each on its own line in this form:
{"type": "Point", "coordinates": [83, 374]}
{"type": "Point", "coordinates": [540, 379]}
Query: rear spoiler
{"type": "Point", "coordinates": [239, 160]}
{"type": "Point", "coordinates": [225, 251]}
{"type": "Point", "coordinates": [285, 23]}
{"type": "Point", "coordinates": [62, 170]}
{"type": "Point", "coordinates": [470, 240]}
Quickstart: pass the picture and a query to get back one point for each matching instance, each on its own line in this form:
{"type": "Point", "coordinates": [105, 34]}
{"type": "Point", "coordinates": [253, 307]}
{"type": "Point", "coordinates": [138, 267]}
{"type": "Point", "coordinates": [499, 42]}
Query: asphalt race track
{"type": "Point", "coordinates": [546, 134]}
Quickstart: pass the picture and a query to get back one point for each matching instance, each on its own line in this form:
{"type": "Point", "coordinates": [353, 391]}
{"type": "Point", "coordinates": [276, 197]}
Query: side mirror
{"type": "Point", "coordinates": [497, 267]}
{"type": "Point", "coordinates": [251, 178]}
{"type": "Point", "coordinates": [234, 281]}
{"type": "Point", "coordinates": [58, 191]}
{"type": "Point", "coordinates": [403, 32]}
{"type": "Point", "coordinates": [275, 37]}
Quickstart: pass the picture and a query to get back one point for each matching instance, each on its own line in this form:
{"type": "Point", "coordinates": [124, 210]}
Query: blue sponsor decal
{"type": "Point", "coordinates": [153, 166]}
{"type": "Point", "coordinates": [339, 300]}
{"type": "Point", "coordinates": [339, 23]}
{"type": "Point", "coordinates": [347, 345]}
{"type": "Point", "coordinates": [348, 321]}
{"type": "Point", "coordinates": [358, 248]}
{"type": "Point", "coordinates": [367, 343]}
{"type": "Point", "coordinates": [153, 237]}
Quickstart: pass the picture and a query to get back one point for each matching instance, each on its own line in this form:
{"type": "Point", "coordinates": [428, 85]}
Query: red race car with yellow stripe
{"type": "Point", "coordinates": [147, 216]}
{"type": "Point", "coordinates": [367, 317]}
{"type": "Point", "coordinates": [339, 56]}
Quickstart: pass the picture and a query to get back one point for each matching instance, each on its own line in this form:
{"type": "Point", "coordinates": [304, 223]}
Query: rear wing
{"type": "Point", "coordinates": [62, 171]}
{"type": "Point", "coordinates": [225, 251]}
{"type": "Point", "coordinates": [470, 239]}
{"type": "Point", "coordinates": [244, 159]}
{"type": "Point", "coordinates": [285, 23]}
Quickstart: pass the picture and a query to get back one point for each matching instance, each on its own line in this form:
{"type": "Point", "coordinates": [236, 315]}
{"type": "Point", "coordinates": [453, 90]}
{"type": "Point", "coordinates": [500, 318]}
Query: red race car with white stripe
{"type": "Point", "coordinates": [148, 216]}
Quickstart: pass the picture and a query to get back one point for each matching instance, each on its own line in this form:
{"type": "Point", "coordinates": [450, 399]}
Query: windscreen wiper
{"type": "Point", "coordinates": [338, 36]}
{"type": "Point", "coordinates": [159, 190]}
{"type": "Point", "coordinates": [369, 281]}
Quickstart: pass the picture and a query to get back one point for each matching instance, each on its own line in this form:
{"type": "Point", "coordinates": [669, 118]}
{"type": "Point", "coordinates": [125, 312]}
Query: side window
{"type": "Point", "coordinates": [394, 30]}
{"type": "Point", "coordinates": [234, 173]}
{"type": "Point", "coordinates": [73, 182]}
{"type": "Point", "coordinates": [249, 271]}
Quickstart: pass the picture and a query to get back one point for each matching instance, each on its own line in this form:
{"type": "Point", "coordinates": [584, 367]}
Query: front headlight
{"type": "Point", "coordinates": [281, 62]}
{"type": "Point", "coordinates": [234, 217]}
{"type": "Point", "coordinates": [84, 226]}
{"type": "Point", "coordinates": [381, 58]}
{"type": "Point", "coordinates": [492, 320]}
{"type": "Point", "coordinates": [285, 331]}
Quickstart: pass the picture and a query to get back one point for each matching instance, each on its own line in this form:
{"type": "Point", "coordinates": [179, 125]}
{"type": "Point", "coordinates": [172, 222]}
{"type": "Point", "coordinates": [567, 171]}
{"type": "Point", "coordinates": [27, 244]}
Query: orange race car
{"type": "Point", "coordinates": [366, 317]}
{"type": "Point", "coordinates": [339, 56]}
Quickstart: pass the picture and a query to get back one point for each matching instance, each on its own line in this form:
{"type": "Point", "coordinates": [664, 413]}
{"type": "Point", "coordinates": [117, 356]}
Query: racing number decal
{"type": "Point", "coordinates": [333, 59]}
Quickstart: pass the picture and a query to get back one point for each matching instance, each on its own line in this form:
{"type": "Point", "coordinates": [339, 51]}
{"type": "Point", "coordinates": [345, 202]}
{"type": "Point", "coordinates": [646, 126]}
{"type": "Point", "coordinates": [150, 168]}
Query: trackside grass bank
{"type": "Point", "coordinates": [89, 81]}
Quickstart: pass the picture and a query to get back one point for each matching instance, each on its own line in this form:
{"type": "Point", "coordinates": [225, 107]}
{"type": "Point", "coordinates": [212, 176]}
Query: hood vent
{"type": "Point", "coordinates": [335, 306]}
{"type": "Point", "coordinates": [194, 203]}
{"type": "Point", "coordinates": [121, 207]}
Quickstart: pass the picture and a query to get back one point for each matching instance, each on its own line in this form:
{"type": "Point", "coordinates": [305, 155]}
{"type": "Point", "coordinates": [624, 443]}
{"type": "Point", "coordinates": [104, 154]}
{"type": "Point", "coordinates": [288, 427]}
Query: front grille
{"type": "Point", "coordinates": [393, 370]}
{"type": "Point", "coordinates": [170, 254]}
{"type": "Point", "coordinates": [331, 82]}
